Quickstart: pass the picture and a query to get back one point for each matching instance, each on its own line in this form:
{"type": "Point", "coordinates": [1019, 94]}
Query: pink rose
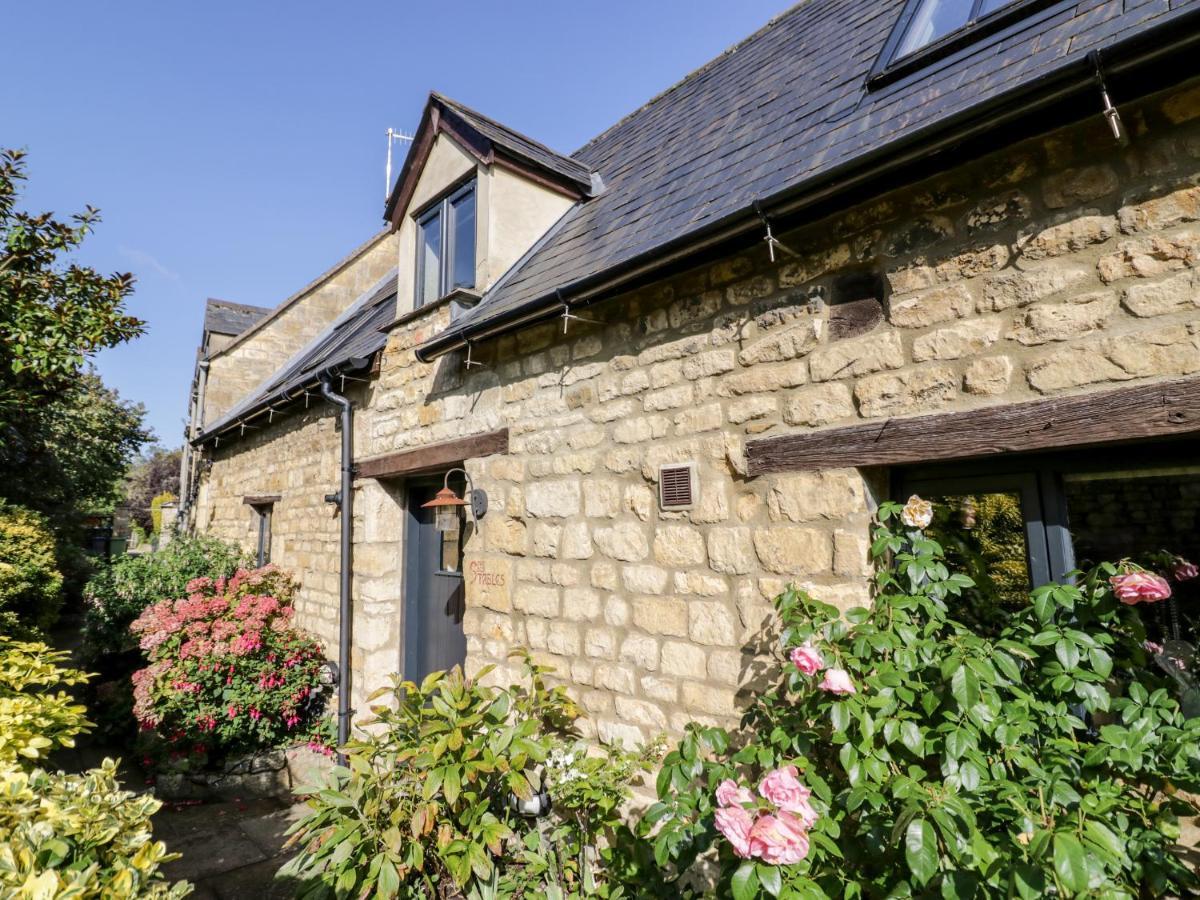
{"type": "Point", "coordinates": [1140, 587]}
{"type": "Point", "coordinates": [837, 681]}
{"type": "Point", "coordinates": [1184, 570]}
{"type": "Point", "coordinates": [807, 659]}
{"type": "Point", "coordinates": [735, 823]}
{"type": "Point", "coordinates": [730, 793]}
{"type": "Point", "coordinates": [779, 840]}
{"type": "Point", "coordinates": [782, 788]}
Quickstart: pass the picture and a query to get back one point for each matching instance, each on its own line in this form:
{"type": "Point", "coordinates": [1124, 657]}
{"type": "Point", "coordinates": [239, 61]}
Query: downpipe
{"type": "Point", "coordinates": [344, 499]}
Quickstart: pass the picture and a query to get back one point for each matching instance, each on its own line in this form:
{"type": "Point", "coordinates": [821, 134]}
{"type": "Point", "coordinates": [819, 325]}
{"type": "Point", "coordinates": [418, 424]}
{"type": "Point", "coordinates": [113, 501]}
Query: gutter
{"type": "Point", "coordinates": [1170, 36]}
{"type": "Point", "coordinates": [344, 499]}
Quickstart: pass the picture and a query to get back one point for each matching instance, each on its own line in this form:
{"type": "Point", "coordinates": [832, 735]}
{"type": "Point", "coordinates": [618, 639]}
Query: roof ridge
{"type": "Point", "coordinates": [470, 110]}
{"type": "Point", "coordinates": [248, 307]}
{"type": "Point", "coordinates": [694, 74]}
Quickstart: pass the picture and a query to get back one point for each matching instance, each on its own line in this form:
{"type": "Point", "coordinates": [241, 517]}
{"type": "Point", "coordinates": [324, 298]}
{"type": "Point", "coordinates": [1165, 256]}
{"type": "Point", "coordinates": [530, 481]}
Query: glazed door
{"type": "Point", "coordinates": [434, 596]}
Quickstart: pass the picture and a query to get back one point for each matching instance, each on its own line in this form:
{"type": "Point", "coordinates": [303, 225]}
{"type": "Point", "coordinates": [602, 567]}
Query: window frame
{"type": "Point", "coordinates": [264, 512]}
{"type": "Point", "coordinates": [443, 206]}
{"type": "Point", "coordinates": [890, 67]}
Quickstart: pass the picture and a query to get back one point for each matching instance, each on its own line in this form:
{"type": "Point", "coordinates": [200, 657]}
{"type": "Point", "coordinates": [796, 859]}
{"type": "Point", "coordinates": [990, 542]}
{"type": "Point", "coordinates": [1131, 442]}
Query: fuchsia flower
{"type": "Point", "coordinates": [807, 659]}
{"type": "Point", "coordinates": [778, 840]}
{"type": "Point", "coordinates": [730, 793]}
{"type": "Point", "coordinates": [735, 823]}
{"type": "Point", "coordinates": [837, 681]}
{"type": "Point", "coordinates": [1140, 587]}
{"type": "Point", "coordinates": [1183, 570]}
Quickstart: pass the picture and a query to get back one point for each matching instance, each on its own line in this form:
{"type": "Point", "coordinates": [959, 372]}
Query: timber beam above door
{"type": "Point", "coordinates": [433, 456]}
{"type": "Point", "coordinates": [1162, 409]}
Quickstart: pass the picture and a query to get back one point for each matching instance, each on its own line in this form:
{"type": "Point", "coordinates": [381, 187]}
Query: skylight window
{"type": "Point", "coordinates": [932, 20]}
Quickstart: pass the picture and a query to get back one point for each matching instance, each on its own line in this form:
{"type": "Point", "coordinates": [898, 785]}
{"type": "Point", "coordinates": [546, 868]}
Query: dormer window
{"type": "Point", "coordinates": [446, 246]}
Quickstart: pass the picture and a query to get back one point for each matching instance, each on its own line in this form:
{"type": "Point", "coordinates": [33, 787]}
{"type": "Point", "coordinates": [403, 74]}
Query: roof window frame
{"type": "Point", "coordinates": [441, 206]}
{"type": "Point", "coordinates": [1011, 17]}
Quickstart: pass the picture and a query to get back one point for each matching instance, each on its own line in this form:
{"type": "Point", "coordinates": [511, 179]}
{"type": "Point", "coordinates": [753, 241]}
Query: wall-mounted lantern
{"type": "Point", "coordinates": [446, 503]}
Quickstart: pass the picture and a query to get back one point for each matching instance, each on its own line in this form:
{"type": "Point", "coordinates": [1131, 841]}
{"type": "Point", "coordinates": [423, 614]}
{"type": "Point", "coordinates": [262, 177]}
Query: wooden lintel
{"type": "Point", "coordinates": [1152, 410]}
{"type": "Point", "coordinates": [261, 499]}
{"type": "Point", "coordinates": [434, 456]}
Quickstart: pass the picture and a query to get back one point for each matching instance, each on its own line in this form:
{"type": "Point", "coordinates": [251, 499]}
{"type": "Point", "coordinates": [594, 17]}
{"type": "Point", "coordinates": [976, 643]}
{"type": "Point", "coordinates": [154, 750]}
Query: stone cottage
{"type": "Point", "coordinates": [904, 246]}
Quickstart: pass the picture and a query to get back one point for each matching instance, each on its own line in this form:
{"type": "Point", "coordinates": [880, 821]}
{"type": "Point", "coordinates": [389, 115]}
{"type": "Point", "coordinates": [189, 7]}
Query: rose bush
{"type": "Point", "coordinates": [228, 671]}
{"type": "Point", "coordinates": [1049, 760]}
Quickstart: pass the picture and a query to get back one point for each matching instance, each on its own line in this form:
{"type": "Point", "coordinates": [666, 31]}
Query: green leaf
{"type": "Point", "coordinates": [965, 687]}
{"type": "Point", "coordinates": [910, 734]}
{"type": "Point", "coordinates": [1070, 862]}
{"type": "Point", "coordinates": [920, 848]}
{"type": "Point", "coordinates": [770, 879]}
{"type": "Point", "coordinates": [745, 881]}
{"type": "Point", "coordinates": [839, 716]}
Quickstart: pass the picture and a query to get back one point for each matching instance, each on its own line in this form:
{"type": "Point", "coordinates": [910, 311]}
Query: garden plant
{"type": "Point", "coordinates": [228, 672]}
{"type": "Point", "coordinates": [901, 754]}
{"type": "Point", "coordinates": [30, 581]}
{"type": "Point", "coordinates": [458, 789]}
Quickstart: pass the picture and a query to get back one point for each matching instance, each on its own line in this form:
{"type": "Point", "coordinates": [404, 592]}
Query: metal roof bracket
{"type": "Point", "coordinates": [468, 362]}
{"type": "Point", "coordinates": [772, 241]}
{"type": "Point", "coordinates": [567, 315]}
{"type": "Point", "coordinates": [1111, 115]}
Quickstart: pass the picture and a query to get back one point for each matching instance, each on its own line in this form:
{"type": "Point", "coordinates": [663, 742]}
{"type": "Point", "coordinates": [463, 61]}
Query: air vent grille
{"type": "Point", "coordinates": [677, 486]}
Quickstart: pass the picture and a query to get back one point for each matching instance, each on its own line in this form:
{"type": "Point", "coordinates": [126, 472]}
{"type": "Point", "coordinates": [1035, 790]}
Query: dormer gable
{"type": "Point", "coordinates": [472, 197]}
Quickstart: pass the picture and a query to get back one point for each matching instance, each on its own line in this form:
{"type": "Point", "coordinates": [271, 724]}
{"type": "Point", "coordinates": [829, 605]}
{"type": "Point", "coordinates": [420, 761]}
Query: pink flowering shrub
{"type": "Point", "coordinates": [901, 753]}
{"type": "Point", "coordinates": [228, 671]}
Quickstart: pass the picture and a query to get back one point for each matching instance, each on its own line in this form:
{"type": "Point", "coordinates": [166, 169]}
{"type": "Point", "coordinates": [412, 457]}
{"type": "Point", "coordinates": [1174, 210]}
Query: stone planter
{"type": "Point", "coordinates": [271, 773]}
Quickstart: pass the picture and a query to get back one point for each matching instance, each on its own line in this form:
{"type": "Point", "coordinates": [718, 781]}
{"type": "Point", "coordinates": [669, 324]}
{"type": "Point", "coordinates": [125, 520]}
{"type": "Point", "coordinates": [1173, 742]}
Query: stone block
{"type": "Point", "coordinates": [601, 499]}
{"type": "Point", "coordinates": [625, 541]}
{"type": "Point", "coordinates": [1081, 315]}
{"type": "Point", "coordinates": [678, 545]}
{"type": "Point", "coordinates": [546, 538]}
{"type": "Point", "coordinates": [600, 642]}
{"type": "Point", "coordinates": [1158, 213]}
{"type": "Point", "coordinates": [661, 615]}
{"type": "Point", "coordinates": [764, 379]}
{"type": "Point", "coordinates": [793, 549]}
{"type": "Point", "coordinates": [639, 712]}
{"type": "Point", "coordinates": [699, 418]}
{"type": "Point", "coordinates": [552, 499]}
{"type": "Point", "coordinates": [536, 600]}
{"type": "Point", "coordinates": [964, 339]}
{"type": "Point", "coordinates": [1068, 237]}
{"type": "Point", "coordinates": [712, 624]}
{"type": "Point", "coordinates": [989, 376]}
{"type": "Point", "coordinates": [1183, 106]}
{"type": "Point", "coordinates": [580, 604]}
{"type": "Point", "coordinates": [819, 405]}
{"type": "Point", "coordinates": [655, 687]}
{"type": "Point", "coordinates": [1151, 256]}
{"type": "Point", "coordinates": [705, 365]}
{"type": "Point", "coordinates": [616, 611]}
{"type": "Point", "coordinates": [821, 494]}
{"type": "Point", "coordinates": [793, 341]}
{"type": "Point", "coordinates": [705, 698]}
{"type": "Point", "coordinates": [669, 398]}
{"type": "Point", "coordinates": [851, 553]}
{"type": "Point", "coordinates": [683, 659]}
{"type": "Point", "coordinates": [563, 639]}
{"type": "Point", "coordinates": [1009, 289]}
{"type": "Point", "coordinates": [1178, 293]}
{"type": "Point", "coordinates": [859, 356]}
{"type": "Point", "coordinates": [930, 307]}
{"type": "Point", "coordinates": [747, 409]}
{"type": "Point", "coordinates": [640, 650]}
{"type": "Point", "coordinates": [912, 390]}
{"type": "Point", "coordinates": [1080, 185]}
{"type": "Point", "coordinates": [644, 579]}
{"type": "Point", "coordinates": [730, 551]}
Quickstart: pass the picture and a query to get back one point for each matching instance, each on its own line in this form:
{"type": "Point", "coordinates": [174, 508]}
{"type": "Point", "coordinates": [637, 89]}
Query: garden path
{"type": "Point", "coordinates": [229, 850]}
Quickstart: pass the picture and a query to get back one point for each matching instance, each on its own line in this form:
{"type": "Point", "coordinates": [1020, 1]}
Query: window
{"type": "Point", "coordinates": [930, 29]}
{"type": "Point", "coordinates": [1020, 522]}
{"type": "Point", "coordinates": [262, 553]}
{"type": "Point", "coordinates": [446, 246]}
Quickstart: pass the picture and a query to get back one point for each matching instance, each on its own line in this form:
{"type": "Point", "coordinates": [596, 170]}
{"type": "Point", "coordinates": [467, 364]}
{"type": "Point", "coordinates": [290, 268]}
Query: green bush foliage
{"type": "Point", "coordinates": [228, 671]}
{"type": "Point", "coordinates": [30, 582]}
{"type": "Point", "coordinates": [1046, 761]}
{"type": "Point", "coordinates": [119, 593]}
{"type": "Point", "coordinates": [156, 509]}
{"type": "Point", "coordinates": [79, 836]}
{"type": "Point", "coordinates": [35, 719]}
{"type": "Point", "coordinates": [425, 807]}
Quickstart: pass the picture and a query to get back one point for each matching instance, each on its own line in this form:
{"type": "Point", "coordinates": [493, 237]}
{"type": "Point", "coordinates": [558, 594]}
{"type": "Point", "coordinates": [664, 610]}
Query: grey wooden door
{"type": "Point", "coordinates": [434, 599]}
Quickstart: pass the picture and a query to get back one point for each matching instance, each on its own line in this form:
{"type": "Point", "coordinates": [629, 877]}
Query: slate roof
{"type": "Point", "coordinates": [227, 317]}
{"type": "Point", "coordinates": [518, 144]}
{"type": "Point", "coordinates": [353, 336]}
{"type": "Point", "coordinates": [784, 108]}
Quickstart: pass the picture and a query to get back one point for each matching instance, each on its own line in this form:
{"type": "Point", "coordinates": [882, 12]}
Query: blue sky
{"type": "Point", "coordinates": [236, 150]}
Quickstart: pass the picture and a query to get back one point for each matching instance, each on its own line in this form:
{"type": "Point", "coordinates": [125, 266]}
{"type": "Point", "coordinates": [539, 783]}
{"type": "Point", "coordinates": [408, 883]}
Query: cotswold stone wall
{"type": "Point", "coordinates": [1063, 265]}
{"type": "Point", "coordinates": [239, 368]}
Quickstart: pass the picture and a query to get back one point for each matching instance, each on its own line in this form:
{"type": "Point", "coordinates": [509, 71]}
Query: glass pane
{"type": "Point", "coordinates": [934, 19]}
{"type": "Point", "coordinates": [462, 217]}
{"type": "Point", "coordinates": [983, 536]}
{"type": "Point", "coordinates": [429, 268]}
{"type": "Point", "coordinates": [989, 6]}
{"type": "Point", "coordinates": [1151, 517]}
